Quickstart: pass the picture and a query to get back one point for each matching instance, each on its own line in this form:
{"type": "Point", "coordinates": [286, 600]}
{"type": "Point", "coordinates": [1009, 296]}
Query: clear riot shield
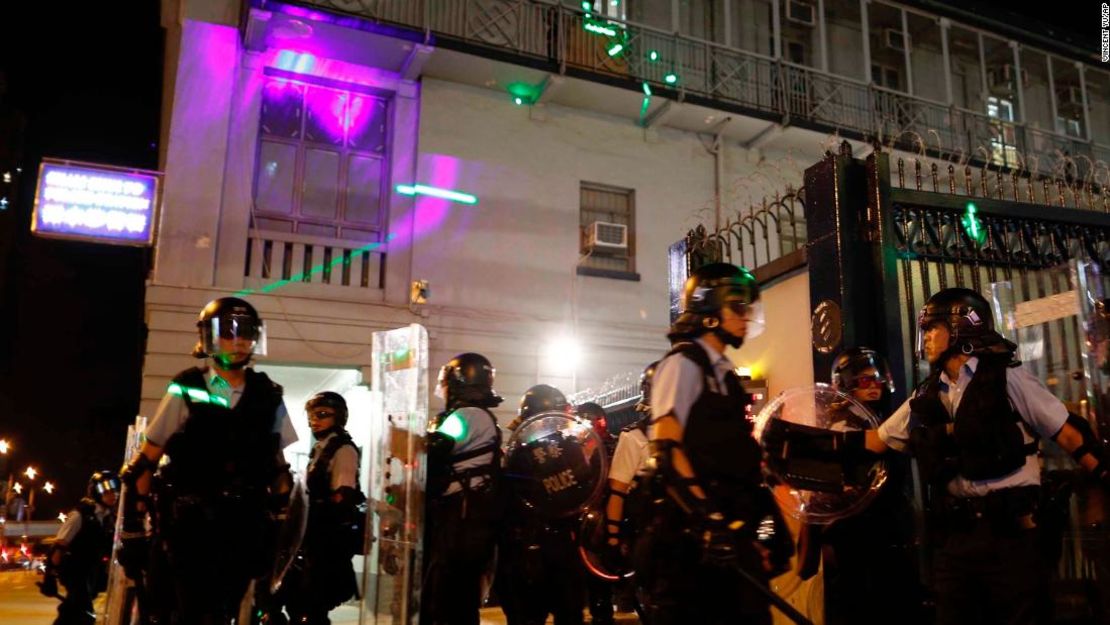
{"type": "Point", "coordinates": [1094, 324]}
{"type": "Point", "coordinates": [121, 603]}
{"type": "Point", "coordinates": [392, 568]}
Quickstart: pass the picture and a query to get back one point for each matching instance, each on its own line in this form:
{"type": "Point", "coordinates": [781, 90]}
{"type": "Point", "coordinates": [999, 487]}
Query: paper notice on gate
{"type": "Point", "coordinates": [1038, 311]}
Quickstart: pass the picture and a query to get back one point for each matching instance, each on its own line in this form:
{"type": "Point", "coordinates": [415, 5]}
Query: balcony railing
{"type": "Point", "coordinates": [546, 31]}
{"type": "Point", "coordinates": [278, 259]}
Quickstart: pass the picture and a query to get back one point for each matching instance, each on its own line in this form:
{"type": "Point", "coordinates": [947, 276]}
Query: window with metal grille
{"type": "Point", "coordinates": [322, 161]}
{"type": "Point", "coordinates": [607, 220]}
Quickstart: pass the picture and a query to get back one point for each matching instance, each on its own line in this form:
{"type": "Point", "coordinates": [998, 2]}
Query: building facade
{"type": "Point", "coordinates": [510, 173]}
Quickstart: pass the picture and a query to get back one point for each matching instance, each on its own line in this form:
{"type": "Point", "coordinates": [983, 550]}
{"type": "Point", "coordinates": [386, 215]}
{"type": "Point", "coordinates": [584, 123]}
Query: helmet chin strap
{"type": "Point", "coordinates": [728, 338]}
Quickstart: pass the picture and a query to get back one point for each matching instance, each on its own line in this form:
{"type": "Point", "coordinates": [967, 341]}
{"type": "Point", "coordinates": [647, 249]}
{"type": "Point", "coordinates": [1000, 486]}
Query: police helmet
{"type": "Point", "coordinates": [229, 318]}
{"type": "Point", "coordinates": [968, 318]}
{"type": "Point", "coordinates": [329, 399]}
{"type": "Point", "coordinates": [595, 414]}
{"type": "Point", "coordinates": [708, 290]}
{"type": "Point", "coordinates": [643, 407]}
{"type": "Point", "coordinates": [468, 378]}
{"type": "Point", "coordinates": [542, 398]}
{"type": "Point", "coordinates": [101, 483]}
{"type": "Point", "coordinates": [860, 366]}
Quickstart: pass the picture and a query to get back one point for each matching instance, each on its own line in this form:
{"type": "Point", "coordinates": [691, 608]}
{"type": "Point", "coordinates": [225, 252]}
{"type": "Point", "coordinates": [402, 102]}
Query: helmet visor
{"type": "Point", "coordinates": [752, 313]}
{"type": "Point", "coordinates": [234, 333]}
{"type": "Point", "coordinates": [863, 371]}
{"type": "Point", "coordinates": [441, 384]}
{"type": "Point", "coordinates": [106, 485]}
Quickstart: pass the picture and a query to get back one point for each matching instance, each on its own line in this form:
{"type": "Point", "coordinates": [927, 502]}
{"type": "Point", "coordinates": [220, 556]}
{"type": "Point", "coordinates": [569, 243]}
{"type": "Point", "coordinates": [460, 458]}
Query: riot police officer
{"type": "Point", "coordinates": [223, 427]}
{"type": "Point", "coordinates": [869, 570]}
{"type": "Point", "coordinates": [973, 426]}
{"type": "Point", "coordinates": [464, 497]}
{"type": "Point", "coordinates": [708, 475]}
{"type": "Point", "coordinates": [598, 590]}
{"type": "Point", "coordinates": [79, 557]}
{"type": "Point", "coordinates": [539, 571]}
{"type": "Point", "coordinates": [323, 576]}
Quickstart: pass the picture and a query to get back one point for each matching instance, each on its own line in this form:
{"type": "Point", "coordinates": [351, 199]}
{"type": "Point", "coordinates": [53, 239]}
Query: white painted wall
{"type": "Point", "coordinates": [502, 273]}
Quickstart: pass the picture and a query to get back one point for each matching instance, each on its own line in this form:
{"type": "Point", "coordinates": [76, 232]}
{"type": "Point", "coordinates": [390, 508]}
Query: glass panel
{"type": "Point", "coordinates": [703, 19]}
{"type": "Point", "coordinates": [364, 183]}
{"type": "Point", "coordinates": [282, 106]}
{"type": "Point", "coordinates": [1098, 100]}
{"type": "Point", "coordinates": [926, 56]}
{"type": "Point", "coordinates": [844, 31]}
{"type": "Point", "coordinates": [651, 13]}
{"type": "Point", "coordinates": [366, 128]}
{"type": "Point", "coordinates": [888, 44]}
{"type": "Point", "coordinates": [275, 172]}
{"type": "Point", "coordinates": [1069, 98]}
{"type": "Point", "coordinates": [326, 117]}
{"type": "Point", "coordinates": [1036, 92]}
{"type": "Point", "coordinates": [967, 70]}
{"type": "Point", "coordinates": [321, 180]}
{"type": "Point", "coordinates": [801, 39]}
{"type": "Point", "coordinates": [753, 26]}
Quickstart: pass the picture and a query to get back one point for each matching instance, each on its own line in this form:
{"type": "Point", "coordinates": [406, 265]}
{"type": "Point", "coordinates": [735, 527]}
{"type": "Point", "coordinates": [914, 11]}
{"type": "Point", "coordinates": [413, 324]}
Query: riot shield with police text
{"type": "Point", "coordinates": [397, 476]}
{"type": "Point", "coordinates": [556, 464]}
{"type": "Point", "coordinates": [817, 474]}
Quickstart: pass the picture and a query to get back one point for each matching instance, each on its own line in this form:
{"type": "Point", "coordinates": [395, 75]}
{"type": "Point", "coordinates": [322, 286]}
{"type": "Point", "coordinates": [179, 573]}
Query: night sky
{"type": "Point", "coordinates": [86, 80]}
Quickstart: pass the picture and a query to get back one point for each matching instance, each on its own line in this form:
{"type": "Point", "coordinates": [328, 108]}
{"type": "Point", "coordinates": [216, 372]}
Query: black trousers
{"type": "Point", "coordinates": [540, 573]}
{"type": "Point", "coordinates": [458, 549]}
{"type": "Point", "coordinates": [991, 574]}
{"type": "Point", "coordinates": [600, 595]}
{"type": "Point", "coordinates": [213, 550]}
{"type": "Point", "coordinates": [76, 608]}
{"type": "Point", "coordinates": [675, 586]}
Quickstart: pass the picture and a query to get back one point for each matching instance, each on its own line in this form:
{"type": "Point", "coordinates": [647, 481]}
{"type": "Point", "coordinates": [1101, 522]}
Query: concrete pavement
{"type": "Point", "coordinates": [21, 604]}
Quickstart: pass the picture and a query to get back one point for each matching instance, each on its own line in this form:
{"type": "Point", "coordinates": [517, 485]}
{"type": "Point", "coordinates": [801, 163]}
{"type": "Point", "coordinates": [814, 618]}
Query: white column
{"type": "Point", "coordinates": [1019, 90]}
{"type": "Point", "coordinates": [866, 29]}
{"type": "Point", "coordinates": [944, 25]}
{"type": "Point", "coordinates": [1083, 90]}
{"type": "Point", "coordinates": [776, 29]}
{"type": "Point", "coordinates": [822, 36]}
{"type": "Point", "coordinates": [906, 43]}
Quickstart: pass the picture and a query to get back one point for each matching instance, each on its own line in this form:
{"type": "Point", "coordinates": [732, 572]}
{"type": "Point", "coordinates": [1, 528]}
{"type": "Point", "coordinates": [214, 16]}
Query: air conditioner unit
{"type": "Point", "coordinates": [604, 236]}
{"type": "Point", "coordinates": [801, 12]}
{"type": "Point", "coordinates": [894, 39]}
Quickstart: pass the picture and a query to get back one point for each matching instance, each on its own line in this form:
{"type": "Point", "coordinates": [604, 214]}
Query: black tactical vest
{"type": "Point", "coordinates": [91, 547]}
{"type": "Point", "coordinates": [986, 441]}
{"type": "Point", "coordinates": [319, 478]}
{"type": "Point", "coordinates": [718, 440]}
{"type": "Point", "coordinates": [225, 451]}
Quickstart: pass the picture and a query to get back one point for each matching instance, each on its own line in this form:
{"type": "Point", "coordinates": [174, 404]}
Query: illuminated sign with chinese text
{"type": "Point", "coordinates": [95, 203]}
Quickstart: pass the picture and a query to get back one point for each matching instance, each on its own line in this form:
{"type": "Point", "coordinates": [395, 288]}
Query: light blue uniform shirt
{"type": "Point", "coordinates": [678, 381]}
{"type": "Point", "coordinates": [1040, 411]}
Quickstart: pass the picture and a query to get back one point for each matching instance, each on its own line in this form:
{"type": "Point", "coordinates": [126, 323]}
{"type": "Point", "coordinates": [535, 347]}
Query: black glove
{"type": "Point", "coordinates": [49, 585]}
{"type": "Point", "coordinates": [134, 556]}
{"type": "Point", "coordinates": [719, 539]}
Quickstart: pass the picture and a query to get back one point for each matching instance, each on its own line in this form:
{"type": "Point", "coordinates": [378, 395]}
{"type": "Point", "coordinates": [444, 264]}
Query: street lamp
{"type": "Point", "coordinates": [49, 488]}
{"type": "Point", "coordinates": [30, 473]}
{"type": "Point", "coordinates": [4, 446]}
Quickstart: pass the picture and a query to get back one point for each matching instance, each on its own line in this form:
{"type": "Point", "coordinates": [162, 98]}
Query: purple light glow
{"type": "Point", "coordinates": [95, 203]}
